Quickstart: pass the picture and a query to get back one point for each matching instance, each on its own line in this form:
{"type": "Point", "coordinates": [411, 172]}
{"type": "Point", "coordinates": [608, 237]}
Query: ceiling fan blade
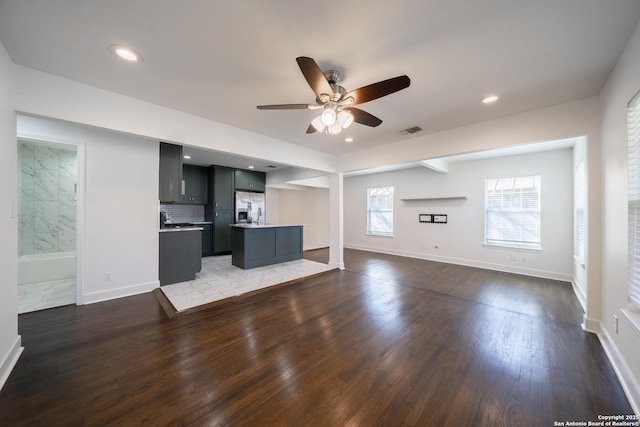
{"type": "Point", "coordinates": [311, 129]}
{"type": "Point", "coordinates": [378, 90]}
{"type": "Point", "coordinates": [283, 107]}
{"type": "Point", "coordinates": [364, 118]}
{"type": "Point", "coordinates": [314, 76]}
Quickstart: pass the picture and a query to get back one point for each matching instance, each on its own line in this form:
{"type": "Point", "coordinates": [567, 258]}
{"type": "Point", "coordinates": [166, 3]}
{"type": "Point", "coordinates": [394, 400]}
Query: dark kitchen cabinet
{"type": "Point", "coordinates": [250, 180]}
{"type": "Point", "coordinates": [207, 239]}
{"type": "Point", "coordinates": [180, 255]}
{"type": "Point", "coordinates": [223, 197]}
{"type": "Point", "coordinates": [170, 188]}
{"type": "Point", "coordinates": [220, 209]}
{"type": "Point", "coordinates": [194, 186]}
{"type": "Point", "coordinates": [222, 231]}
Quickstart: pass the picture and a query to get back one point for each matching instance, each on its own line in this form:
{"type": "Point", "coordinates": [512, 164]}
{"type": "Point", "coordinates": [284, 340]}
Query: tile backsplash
{"type": "Point", "coordinates": [183, 213]}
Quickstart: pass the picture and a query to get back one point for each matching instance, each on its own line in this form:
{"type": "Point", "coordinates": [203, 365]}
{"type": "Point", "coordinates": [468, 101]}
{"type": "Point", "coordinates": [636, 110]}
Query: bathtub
{"type": "Point", "coordinates": [46, 267]}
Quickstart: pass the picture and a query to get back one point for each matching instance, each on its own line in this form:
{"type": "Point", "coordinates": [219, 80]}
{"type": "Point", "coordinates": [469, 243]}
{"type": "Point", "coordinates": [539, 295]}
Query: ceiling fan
{"type": "Point", "coordinates": [335, 102]}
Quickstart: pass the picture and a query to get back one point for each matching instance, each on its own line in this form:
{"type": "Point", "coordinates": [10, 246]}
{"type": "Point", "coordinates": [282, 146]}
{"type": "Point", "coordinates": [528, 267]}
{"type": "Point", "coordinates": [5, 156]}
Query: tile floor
{"type": "Point", "coordinates": [219, 279]}
{"type": "Point", "coordinates": [42, 295]}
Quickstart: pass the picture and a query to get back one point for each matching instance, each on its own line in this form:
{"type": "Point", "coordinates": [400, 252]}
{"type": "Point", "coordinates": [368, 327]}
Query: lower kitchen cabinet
{"type": "Point", "coordinates": [207, 239]}
{"type": "Point", "coordinates": [180, 255]}
{"type": "Point", "coordinates": [222, 220]}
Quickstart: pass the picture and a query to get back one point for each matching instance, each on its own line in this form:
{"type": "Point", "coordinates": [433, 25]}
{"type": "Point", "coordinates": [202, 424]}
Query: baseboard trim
{"type": "Point", "coordinates": [469, 263]}
{"type": "Point", "coordinates": [309, 246]}
{"type": "Point", "coordinates": [582, 298]}
{"type": "Point", "coordinates": [590, 325]}
{"type": "Point", "coordinates": [627, 380]}
{"type": "Point", "coordinates": [10, 359]}
{"type": "Point", "coordinates": [125, 291]}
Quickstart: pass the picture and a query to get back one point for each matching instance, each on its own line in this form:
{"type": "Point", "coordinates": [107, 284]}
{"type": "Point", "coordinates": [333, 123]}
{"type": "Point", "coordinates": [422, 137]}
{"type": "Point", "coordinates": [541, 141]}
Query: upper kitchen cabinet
{"type": "Point", "coordinates": [170, 190]}
{"type": "Point", "coordinates": [194, 186]}
{"type": "Point", "coordinates": [250, 180]}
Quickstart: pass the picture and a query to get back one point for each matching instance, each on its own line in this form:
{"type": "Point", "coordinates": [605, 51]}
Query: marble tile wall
{"type": "Point", "coordinates": [47, 178]}
{"type": "Point", "coordinates": [183, 213]}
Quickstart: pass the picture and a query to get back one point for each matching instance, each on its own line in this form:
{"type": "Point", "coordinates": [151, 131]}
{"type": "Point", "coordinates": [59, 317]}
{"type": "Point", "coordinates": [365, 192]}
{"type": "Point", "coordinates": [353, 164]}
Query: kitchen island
{"type": "Point", "coordinates": [260, 245]}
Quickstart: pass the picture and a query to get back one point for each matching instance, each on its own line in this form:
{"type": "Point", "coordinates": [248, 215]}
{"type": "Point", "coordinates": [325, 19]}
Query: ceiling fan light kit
{"type": "Point", "coordinates": [334, 99]}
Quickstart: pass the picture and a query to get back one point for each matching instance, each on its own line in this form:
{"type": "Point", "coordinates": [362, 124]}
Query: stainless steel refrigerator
{"type": "Point", "coordinates": [250, 207]}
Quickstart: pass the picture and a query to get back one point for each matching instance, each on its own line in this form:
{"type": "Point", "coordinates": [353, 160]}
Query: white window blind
{"type": "Point", "coordinates": [380, 211]}
{"type": "Point", "coordinates": [512, 212]}
{"type": "Point", "coordinates": [579, 212]}
{"type": "Point", "coordinates": [633, 125]}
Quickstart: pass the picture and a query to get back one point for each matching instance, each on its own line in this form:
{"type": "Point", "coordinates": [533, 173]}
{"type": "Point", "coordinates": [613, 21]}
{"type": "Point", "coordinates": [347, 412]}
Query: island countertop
{"type": "Point", "coordinates": [266, 225]}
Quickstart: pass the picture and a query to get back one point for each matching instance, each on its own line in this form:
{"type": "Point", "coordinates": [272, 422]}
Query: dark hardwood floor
{"type": "Point", "coordinates": [390, 341]}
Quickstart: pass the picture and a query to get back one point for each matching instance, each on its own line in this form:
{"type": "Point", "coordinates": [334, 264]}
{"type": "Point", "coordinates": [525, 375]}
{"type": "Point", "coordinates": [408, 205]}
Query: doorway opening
{"type": "Point", "coordinates": [47, 189]}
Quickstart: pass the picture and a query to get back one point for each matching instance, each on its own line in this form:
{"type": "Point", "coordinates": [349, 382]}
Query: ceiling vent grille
{"type": "Point", "coordinates": [410, 131]}
{"type": "Point", "coordinates": [271, 166]}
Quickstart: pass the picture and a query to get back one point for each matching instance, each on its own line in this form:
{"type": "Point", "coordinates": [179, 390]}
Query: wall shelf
{"type": "Point", "coordinates": [426, 199]}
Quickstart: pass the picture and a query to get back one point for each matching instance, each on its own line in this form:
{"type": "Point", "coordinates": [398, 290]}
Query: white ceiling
{"type": "Point", "coordinates": [219, 59]}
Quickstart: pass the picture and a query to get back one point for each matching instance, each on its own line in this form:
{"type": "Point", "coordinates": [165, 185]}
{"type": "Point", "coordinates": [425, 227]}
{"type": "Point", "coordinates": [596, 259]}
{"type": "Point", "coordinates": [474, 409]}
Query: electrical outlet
{"type": "Point", "coordinates": [513, 257]}
{"type": "Point", "coordinates": [615, 324]}
{"type": "Point", "coordinates": [107, 277]}
{"type": "Point", "coordinates": [424, 246]}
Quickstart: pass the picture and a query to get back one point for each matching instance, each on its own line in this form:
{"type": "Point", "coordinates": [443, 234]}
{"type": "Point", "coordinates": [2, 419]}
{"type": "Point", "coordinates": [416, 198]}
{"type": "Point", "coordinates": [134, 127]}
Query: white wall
{"type": "Point", "coordinates": [546, 124]}
{"type": "Point", "coordinates": [10, 344]}
{"type": "Point", "coordinates": [461, 239]}
{"type": "Point", "coordinates": [309, 207]}
{"type": "Point", "coordinates": [41, 94]}
{"type": "Point", "coordinates": [624, 346]}
{"type": "Point", "coordinates": [118, 228]}
{"type": "Point", "coordinates": [580, 278]}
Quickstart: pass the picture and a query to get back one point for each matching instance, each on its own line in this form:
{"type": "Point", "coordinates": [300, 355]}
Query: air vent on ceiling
{"type": "Point", "coordinates": [409, 131]}
{"type": "Point", "coordinates": [271, 167]}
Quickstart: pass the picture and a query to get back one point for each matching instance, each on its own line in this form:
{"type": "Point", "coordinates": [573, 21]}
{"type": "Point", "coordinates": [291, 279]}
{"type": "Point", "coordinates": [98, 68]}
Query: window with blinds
{"type": "Point", "coordinates": [380, 211]}
{"type": "Point", "coordinates": [579, 219]}
{"type": "Point", "coordinates": [512, 212]}
{"type": "Point", "coordinates": [633, 125]}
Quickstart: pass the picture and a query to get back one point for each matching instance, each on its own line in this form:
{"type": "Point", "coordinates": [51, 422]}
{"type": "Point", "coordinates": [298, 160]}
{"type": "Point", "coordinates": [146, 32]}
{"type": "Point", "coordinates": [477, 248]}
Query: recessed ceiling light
{"type": "Point", "coordinates": [490, 99]}
{"type": "Point", "coordinates": [251, 167]}
{"type": "Point", "coordinates": [187, 157]}
{"type": "Point", "coordinates": [348, 139]}
{"type": "Point", "coordinates": [125, 53]}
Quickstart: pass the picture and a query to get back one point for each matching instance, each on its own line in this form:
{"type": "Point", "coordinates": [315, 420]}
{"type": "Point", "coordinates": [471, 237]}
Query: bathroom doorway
{"type": "Point", "coordinates": [47, 189]}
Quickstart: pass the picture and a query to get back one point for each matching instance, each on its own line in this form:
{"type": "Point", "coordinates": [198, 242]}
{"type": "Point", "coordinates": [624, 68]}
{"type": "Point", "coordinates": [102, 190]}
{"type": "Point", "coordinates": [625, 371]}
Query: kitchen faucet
{"type": "Point", "coordinates": [259, 213]}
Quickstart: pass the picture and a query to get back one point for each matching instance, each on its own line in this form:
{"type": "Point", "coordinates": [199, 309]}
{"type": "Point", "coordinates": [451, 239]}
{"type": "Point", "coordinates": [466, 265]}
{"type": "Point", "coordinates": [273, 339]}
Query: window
{"type": "Point", "coordinates": [512, 212]}
{"type": "Point", "coordinates": [380, 211]}
{"type": "Point", "coordinates": [633, 126]}
{"type": "Point", "coordinates": [579, 213]}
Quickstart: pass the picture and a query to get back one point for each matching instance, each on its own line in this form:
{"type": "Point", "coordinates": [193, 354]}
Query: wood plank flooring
{"type": "Point", "coordinates": [390, 341]}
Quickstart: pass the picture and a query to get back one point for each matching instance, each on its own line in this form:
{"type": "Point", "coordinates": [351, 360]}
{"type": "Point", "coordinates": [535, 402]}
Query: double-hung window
{"type": "Point", "coordinates": [380, 211]}
{"type": "Point", "coordinates": [512, 212]}
{"type": "Point", "coordinates": [633, 126]}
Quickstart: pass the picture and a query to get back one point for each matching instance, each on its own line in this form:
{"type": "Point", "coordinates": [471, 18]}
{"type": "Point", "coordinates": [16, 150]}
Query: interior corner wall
{"type": "Point", "coordinates": [309, 207]}
{"type": "Point", "coordinates": [624, 346]}
{"type": "Point", "coordinates": [460, 240]}
{"type": "Point", "coordinates": [10, 342]}
{"type": "Point", "coordinates": [120, 233]}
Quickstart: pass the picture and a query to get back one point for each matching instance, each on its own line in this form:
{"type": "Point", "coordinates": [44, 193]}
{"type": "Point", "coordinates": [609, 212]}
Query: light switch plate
{"type": "Point", "coordinates": [442, 219]}
{"type": "Point", "coordinates": [425, 218]}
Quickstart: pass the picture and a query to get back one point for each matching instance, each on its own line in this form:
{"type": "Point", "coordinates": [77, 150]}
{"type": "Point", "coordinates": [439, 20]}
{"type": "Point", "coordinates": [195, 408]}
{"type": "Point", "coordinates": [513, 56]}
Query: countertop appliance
{"type": "Point", "coordinates": [250, 207]}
